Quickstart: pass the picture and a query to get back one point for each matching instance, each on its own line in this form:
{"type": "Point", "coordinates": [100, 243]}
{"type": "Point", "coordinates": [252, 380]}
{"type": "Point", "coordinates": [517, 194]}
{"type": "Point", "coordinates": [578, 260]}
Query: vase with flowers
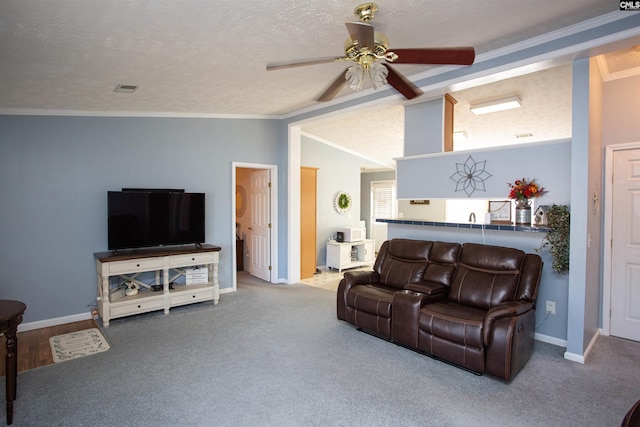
{"type": "Point", "coordinates": [522, 191]}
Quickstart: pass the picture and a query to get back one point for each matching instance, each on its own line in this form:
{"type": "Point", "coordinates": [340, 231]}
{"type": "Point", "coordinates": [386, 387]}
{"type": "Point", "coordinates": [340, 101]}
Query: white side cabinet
{"type": "Point", "coordinates": [168, 265]}
{"type": "Point", "coordinates": [345, 255]}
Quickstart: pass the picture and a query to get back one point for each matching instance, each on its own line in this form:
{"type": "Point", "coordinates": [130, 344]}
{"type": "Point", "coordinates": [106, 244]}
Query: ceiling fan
{"type": "Point", "coordinates": [369, 49]}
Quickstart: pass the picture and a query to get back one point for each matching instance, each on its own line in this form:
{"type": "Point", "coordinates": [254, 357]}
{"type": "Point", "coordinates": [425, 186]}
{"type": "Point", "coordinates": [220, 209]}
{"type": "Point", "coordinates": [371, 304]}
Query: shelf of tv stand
{"type": "Point", "coordinates": [130, 263]}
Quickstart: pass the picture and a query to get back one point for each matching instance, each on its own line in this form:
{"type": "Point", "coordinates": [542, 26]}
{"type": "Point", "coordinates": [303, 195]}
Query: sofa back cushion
{"type": "Point", "coordinates": [443, 259]}
{"type": "Point", "coordinates": [402, 261]}
{"type": "Point", "coordinates": [486, 275]}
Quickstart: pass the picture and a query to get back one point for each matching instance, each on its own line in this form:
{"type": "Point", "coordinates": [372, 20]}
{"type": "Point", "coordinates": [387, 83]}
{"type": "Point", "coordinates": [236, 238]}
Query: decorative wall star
{"type": "Point", "coordinates": [470, 176]}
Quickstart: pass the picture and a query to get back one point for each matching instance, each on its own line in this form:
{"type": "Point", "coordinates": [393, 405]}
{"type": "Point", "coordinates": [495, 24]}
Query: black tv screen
{"type": "Point", "coordinates": [140, 219]}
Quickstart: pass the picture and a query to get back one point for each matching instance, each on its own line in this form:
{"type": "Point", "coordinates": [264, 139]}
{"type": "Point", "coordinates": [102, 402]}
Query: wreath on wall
{"type": "Point", "coordinates": [342, 202]}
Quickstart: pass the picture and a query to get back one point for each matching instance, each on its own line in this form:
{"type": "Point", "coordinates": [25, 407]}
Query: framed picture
{"type": "Point", "coordinates": [500, 212]}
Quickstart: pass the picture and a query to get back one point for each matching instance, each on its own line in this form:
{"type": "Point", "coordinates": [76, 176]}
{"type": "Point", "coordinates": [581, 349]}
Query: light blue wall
{"type": "Point", "coordinates": [55, 174]}
{"type": "Point", "coordinates": [595, 250]}
{"type": "Point", "coordinates": [429, 176]}
{"type": "Point", "coordinates": [576, 342]}
{"type": "Point", "coordinates": [429, 118]}
{"type": "Point", "coordinates": [337, 171]}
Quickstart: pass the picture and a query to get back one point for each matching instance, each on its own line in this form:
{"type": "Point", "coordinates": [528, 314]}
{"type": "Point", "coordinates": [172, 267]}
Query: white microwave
{"type": "Point", "coordinates": [352, 234]}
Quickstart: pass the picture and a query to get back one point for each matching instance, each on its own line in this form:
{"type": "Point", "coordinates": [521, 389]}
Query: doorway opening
{"type": "Point", "coordinates": [254, 214]}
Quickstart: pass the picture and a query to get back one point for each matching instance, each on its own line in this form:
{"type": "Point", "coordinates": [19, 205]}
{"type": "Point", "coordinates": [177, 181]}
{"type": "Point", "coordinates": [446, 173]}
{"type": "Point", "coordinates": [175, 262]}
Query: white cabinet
{"type": "Point", "coordinates": [168, 265]}
{"type": "Point", "coordinates": [350, 254]}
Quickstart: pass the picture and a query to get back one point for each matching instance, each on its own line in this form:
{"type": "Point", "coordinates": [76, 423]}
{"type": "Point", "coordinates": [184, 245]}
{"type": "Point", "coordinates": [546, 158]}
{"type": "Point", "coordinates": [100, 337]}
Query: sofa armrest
{"type": "Point", "coordinates": [507, 309]}
{"type": "Point", "coordinates": [360, 277]}
{"type": "Point", "coordinates": [427, 287]}
{"type": "Point", "coordinates": [351, 279]}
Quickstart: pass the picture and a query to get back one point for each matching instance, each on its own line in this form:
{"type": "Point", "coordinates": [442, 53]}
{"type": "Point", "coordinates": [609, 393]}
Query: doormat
{"type": "Point", "coordinates": [77, 344]}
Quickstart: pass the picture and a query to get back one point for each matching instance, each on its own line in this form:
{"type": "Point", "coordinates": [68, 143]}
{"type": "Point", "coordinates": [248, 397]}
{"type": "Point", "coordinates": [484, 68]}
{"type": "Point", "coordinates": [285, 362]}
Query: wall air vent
{"type": "Point", "coordinates": [125, 88]}
{"type": "Point", "coordinates": [523, 135]}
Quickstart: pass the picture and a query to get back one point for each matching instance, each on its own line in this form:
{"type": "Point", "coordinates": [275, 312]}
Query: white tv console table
{"type": "Point", "coordinates": [340, 256]}
{"type": "Point", "coordinates": [129, 264]}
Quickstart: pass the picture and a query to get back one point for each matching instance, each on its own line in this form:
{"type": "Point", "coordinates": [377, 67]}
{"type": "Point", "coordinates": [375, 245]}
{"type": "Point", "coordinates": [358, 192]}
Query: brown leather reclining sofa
{"type": "Point", "coordinates": [471, 305]}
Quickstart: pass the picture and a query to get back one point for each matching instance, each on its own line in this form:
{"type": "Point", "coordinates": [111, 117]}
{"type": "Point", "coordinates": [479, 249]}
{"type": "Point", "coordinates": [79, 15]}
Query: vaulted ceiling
{"type": "Point", "coordinates": [207, 57]}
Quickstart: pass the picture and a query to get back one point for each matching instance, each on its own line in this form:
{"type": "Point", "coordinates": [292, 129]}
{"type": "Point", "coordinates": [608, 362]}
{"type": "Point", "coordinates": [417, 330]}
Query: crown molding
{"type": "Point", "coordinates": [157, 114]}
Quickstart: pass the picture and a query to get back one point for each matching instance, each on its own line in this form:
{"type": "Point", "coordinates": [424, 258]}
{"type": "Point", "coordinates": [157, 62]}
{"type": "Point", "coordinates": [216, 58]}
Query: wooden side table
{"type": "Point", "coordinates": [10, 317]}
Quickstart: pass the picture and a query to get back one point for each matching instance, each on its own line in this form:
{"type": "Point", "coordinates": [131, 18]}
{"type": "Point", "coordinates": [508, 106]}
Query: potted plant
{"type": "Point", "coordinates": [557, 238]}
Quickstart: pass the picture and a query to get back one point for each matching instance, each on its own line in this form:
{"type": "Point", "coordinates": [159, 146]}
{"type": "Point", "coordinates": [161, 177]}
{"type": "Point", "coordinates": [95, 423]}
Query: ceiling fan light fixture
{"type": "Point", "coordinates": [496, 105]}
{"type": "Point", "coordinates": [378, 74]}
{"type": "Point", "coordinates": [366, 47]}
{"type": "Point", "coordinates": [355, 77]}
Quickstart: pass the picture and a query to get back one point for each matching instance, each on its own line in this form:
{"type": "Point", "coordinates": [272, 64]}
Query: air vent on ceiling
{"type": "Point", "coordinates": [125, 88]}
{"type": "Point", "coordinates": [523, 135]}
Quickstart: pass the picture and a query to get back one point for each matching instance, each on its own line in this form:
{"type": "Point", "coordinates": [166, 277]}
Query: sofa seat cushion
{"type": "Point", "coordinates": [371, 299]}
{"type": "Point", "coordinates": [453, 322]}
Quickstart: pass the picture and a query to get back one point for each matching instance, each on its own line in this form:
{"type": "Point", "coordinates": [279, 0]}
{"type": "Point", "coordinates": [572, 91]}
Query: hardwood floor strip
{"type": "Point", "coordinates": [33, 346]}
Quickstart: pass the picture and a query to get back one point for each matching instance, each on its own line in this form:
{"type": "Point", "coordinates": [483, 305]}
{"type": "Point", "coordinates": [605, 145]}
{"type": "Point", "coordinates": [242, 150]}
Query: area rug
{"type": "Point", "coordinates": [77, 344]}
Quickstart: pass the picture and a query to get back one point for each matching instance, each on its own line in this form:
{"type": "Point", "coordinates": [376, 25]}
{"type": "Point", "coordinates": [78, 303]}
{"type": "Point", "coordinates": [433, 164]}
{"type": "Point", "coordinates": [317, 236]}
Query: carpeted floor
{"type": "Point", "coordinates": [275, 355]}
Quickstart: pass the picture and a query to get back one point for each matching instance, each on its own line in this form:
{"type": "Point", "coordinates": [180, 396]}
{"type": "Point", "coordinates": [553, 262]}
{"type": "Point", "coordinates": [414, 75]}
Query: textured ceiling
{"type": "Point", "coordinates": [621, 62]}
{"type": "Point", "coordinates": [545, 115]}
{"type": "Point", "coordinates": [208, 57]}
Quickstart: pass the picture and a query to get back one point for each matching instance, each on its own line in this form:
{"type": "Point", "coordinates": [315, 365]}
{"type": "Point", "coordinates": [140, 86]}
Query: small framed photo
{"type": "Point", "coordinates": [500, 212]}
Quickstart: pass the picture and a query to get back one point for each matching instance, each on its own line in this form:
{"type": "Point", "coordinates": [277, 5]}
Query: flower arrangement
{"type": "Point", "coordinates": [522, 189]}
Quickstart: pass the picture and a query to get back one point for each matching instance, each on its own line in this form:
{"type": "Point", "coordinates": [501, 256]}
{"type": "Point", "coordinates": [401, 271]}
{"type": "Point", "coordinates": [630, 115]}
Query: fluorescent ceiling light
{"type": "Point", "coordinates": [497, 105]}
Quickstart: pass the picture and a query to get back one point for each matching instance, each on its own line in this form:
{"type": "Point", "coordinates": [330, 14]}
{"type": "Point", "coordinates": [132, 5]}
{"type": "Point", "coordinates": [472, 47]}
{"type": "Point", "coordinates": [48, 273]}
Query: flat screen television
{"type": "Point", "coordinates": [139, 218]}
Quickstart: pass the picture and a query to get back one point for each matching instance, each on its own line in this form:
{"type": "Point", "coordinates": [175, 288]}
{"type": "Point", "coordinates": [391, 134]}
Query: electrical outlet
{"type": "Point", "coordinates": [551, 307]}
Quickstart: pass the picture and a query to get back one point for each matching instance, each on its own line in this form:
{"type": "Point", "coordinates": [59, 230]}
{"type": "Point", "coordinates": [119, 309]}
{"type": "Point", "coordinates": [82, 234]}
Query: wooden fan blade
{"type": "Point", "coordinates": [451, 55]}
{"type": "Point", "coordinates": [302, 62]}
{"type": "Point", "coordinates": [361, 32]}
{"type": "Point", "coordinates": [334, 88]}
{"type": "Point", "coordinates": [402, 85]}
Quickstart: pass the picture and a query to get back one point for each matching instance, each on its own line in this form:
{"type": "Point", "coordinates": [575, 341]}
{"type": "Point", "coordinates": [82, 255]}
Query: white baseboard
{"type": "Point", "coordinates": [53, 322]}
{"type": "Point", "coordinates": [574, 357]}
{"type": "Point", "coordinates": [581, 358]}
{"type": "Point", "coordinates": [23, 327]}
{"type": "Point", "coordinates": [551, 340]}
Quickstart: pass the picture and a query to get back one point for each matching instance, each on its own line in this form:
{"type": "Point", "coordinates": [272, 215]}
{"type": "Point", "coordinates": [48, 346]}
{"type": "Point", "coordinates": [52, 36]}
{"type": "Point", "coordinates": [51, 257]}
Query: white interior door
{"type": "Point", "coordinates": [625, 251]}
{"type": "Point", "coordinates": [260, 229]}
